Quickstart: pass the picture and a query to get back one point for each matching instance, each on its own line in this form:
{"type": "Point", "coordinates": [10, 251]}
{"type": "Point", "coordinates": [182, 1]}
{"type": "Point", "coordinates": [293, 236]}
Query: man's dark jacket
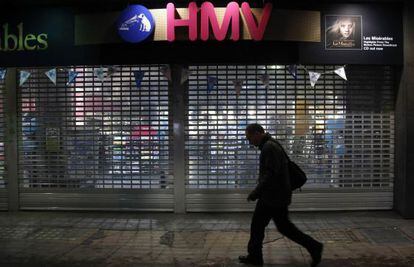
{"type": "Point", "coordinates": [273, 186]}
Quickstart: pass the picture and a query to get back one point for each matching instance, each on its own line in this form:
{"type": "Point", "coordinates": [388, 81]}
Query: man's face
{"type": "Point", "coordinates": [346, 27]}
{"type": "Point", "coordinates": [254, 138]}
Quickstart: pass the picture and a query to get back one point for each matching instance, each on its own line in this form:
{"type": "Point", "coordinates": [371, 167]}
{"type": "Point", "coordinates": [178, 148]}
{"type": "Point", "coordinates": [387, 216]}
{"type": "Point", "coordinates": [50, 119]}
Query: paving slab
{"type": "Point", "coordinates": [49, 239]}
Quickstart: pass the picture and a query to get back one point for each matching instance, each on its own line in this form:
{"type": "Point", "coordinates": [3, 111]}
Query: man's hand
{"type": "Point", "coordinates": [252, 196]}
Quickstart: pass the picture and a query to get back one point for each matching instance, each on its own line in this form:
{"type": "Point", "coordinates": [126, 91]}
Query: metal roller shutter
{"type": "Point", "coordinates": [3, 182]}
{"type": "Point", "coordinates": [340, 132]}
{"type": "Point", "coordinates": [95, 144]}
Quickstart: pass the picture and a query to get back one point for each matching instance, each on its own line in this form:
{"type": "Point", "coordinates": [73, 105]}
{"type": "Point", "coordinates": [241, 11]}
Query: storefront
{"type": "Point", "coordinates": [144, 107]}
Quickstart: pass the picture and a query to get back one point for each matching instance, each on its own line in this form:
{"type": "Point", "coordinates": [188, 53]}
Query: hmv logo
{"type": "Point", "coordinates": [136, 23]}
{"type": "Point", "coordinates": [141, 22]}
{"type": "Point", "coordinates": [209, 18]}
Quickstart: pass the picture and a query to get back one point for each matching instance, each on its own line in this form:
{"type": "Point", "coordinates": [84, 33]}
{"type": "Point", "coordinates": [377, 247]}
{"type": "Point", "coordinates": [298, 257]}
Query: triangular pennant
{"type": "Point", "coordinates": [238, 86]}
{"type": "Point", "coordinates": [293, 70]}
{"type": "Point", "coordinates": [71, 76]}
{"type": "Point", "coordinates": [112, 70]}
{"type": "Point", "coordinates": [314, 76]}
{"type": "Point", "coordinates": [99, 74]}
{"type": "Point", "coordinates": [166, 72]}
{"type": "Point", "coordinates": [3, 73]}
{"type": "Point", "coordinates": [24, 75]}
{"type": "Point", "coordinates": [341, 73]}
{"type": "Point", "coordinates": [264, 78]}
{"type": "Point", "coordinates": [211, 83]}
{"type": "Point", "coordinates": [139, 75]}
{"type": "Point", "coordinates": [51, 74]}
{"type": "Point", "coordinates": [185, 73]}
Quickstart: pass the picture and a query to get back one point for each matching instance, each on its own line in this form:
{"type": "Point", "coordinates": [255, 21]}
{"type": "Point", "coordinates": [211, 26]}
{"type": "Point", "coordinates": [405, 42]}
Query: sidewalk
{"type": "Point", "coordinates": [90, 239]}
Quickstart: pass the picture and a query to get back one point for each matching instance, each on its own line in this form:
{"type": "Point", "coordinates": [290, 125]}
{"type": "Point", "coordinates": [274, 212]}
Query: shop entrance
{"type": "Point", "coordinates": [95, 143]}
{"type": "Point", "coordinates": [340, 132]}
{"type": "Point", "coordinates": [108, 144]}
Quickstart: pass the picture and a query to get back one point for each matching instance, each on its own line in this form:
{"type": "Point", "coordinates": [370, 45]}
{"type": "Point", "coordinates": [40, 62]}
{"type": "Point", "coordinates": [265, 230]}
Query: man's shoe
{"type": "Point", "coordinates": [250, 260]}
{"type": "Point", "coordinates": [316, 254]}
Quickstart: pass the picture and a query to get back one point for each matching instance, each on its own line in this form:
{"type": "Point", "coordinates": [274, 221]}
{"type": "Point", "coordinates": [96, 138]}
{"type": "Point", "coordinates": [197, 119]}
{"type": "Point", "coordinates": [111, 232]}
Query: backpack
{"type": "Point", "coordinates": [297, 175]}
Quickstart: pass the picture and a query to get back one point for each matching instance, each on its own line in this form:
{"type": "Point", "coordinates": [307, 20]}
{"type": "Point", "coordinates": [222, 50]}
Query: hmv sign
{"type": "Point", "coordinates": [136, 23]}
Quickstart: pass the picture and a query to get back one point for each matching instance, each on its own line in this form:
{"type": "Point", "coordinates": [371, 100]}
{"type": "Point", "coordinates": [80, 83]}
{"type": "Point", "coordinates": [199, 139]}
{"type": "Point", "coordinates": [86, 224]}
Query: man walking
{"type": "Point", "coordinates": [274, 196]}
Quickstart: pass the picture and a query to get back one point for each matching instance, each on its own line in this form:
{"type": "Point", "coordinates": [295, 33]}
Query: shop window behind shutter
{"type": "Point", "coordinates": [340, 132]}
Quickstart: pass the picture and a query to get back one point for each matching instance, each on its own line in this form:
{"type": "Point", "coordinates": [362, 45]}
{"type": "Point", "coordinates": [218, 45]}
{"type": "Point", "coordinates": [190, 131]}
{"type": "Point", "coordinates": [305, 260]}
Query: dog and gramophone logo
{"type": "Point", "coordinates": [135, 24]}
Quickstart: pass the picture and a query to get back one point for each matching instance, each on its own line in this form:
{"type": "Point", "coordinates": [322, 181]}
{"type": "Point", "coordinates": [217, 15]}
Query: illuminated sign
{"type": "Point", "coordinates": [135, 24]}
{"type": "Point", "coordinates": [208, 17]}
{"type": "Point", "coordinates": [15, 39]}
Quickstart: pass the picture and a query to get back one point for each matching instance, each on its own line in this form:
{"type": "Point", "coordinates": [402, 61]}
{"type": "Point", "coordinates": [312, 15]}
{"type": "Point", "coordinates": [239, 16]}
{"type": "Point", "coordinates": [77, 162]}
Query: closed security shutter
{"type": "Point", "coordinates": [340, 132]}
{"type": "Point", "coordinates": [96, 144]}
{"type": "Point", "coordinates": [3, 182]}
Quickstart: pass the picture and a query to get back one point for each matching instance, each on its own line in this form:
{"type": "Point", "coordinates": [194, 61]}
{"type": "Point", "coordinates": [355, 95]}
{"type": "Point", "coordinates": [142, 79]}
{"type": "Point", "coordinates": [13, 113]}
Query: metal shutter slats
{"type": "Point", "coordinates": [341, 133]}
{"type": "Point", "coordinates": [82, 143]}
{"type": "Point", "coordinates": [3, 182]}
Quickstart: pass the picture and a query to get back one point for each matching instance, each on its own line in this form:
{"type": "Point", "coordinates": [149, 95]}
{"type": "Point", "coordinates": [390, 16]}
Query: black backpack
{"type": "Point", "coordinates": [297, 175]}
